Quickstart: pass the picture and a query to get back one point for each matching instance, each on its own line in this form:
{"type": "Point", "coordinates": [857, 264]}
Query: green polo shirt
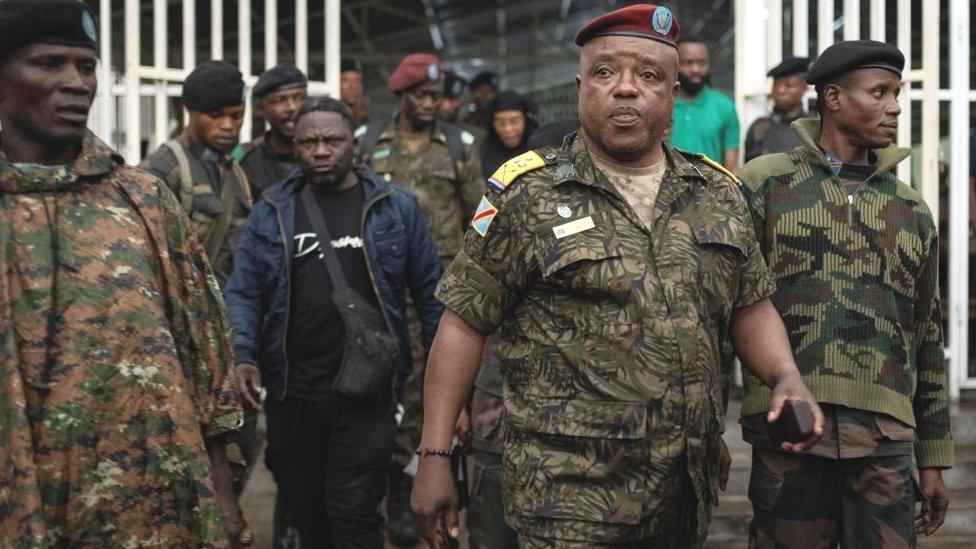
{"type": "Point", "coordinates": [706, 124]}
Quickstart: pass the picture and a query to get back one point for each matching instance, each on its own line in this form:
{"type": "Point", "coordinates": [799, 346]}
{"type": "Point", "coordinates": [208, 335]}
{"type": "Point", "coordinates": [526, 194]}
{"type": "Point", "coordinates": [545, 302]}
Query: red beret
{"type": "Point", "coordinates": [414, 69]}
{"type": "Point", "coordinates": [641, 20]}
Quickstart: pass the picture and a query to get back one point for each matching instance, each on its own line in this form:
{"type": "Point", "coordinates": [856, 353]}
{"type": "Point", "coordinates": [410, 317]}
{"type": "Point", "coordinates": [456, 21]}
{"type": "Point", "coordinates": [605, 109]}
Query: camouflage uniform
{"type": "Point", "coordinates": [208, 171]}
{"type": "Point", "coordinates": [857, 288]}
{"type": "Point", "coordinates": [609, 338]}
{"type": "Point", "coordinates": [115, 361]}
{"type": "Point", "coordinates": [263, 166]}
{"type": "Point", "coordinates": [448, 195]}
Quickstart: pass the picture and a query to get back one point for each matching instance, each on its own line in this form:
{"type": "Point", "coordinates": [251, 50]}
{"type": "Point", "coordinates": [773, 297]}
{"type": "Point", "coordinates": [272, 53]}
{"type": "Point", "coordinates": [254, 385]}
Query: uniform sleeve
{"type": "Point", "coordinates": [488, 277]}
{"type": "Point", "coordinates": [730, 130]}
{"type": "Point", "coordinates": [198, 321]}
{"type": "Point", "coordinates": [755, 280]}
{"type": "Point", "coordinates": [472, 182]}
{"type": "Point", "coordinates": [931, 402]}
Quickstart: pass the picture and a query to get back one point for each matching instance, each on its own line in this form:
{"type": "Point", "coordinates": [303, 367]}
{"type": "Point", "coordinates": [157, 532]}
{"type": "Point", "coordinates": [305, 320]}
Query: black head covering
{"type": "Point", "coordinates": [279, 78]}
{"type": "Point", "coordinates": [453, 84]}
{"type": "Point", "coordinates": [348, 64]}
{"type": "Point", "coordinates": [789, 67]}
{"type": "Point", "coordinates": [493, 151]}
{"type": "Point", "coordinates": [486, 77]}
{"type": "Point", "coordinates": [62, 22]}
{"type": "Point", "coordinates": [851, 55]}
{"type": "Point", "coordinates": [213, 85]}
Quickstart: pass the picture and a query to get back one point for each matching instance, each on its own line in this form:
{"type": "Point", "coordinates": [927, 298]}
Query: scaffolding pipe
{"type": "Point", "coordinates": [131, 104]}
{"type": "Point", "coordinates": [905, 122]}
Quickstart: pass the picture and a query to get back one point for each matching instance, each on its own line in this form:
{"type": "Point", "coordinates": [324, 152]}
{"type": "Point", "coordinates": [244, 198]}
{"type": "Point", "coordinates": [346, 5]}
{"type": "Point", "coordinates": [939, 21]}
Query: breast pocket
{"type": "Point", "coordinates": [587, 280]}
{"type": "Point", "coordinates": [390, 242]}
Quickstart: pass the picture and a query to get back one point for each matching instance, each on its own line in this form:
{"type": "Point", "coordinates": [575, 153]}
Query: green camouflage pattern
{"type": "Point", "coordinates": [111, 452]}
{"type": "Point", "coordinates": [205, 204]}
{"type": "Point", "coordinates": [609, 339]}
{"type": "Point", "coordinates": [848, 434]}
{"type": "Point", "coordinates": [857, 287]}
{"type": "Point", "coordinates": [811, 501]}
{"type": "Point", "coordinates": [448, 194]}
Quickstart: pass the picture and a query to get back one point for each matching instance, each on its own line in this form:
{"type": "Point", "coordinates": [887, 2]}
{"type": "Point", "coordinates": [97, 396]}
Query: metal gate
{"type": "Point", "coordinates": [133, 104]}
{"type": "Point", "coordinates": [759, 37]}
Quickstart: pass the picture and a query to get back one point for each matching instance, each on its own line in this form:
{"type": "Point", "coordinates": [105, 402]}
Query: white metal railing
{"type": "Point", "coordinates": [117, 115]}
{"type": "Point", "coordinates": [759, 46]}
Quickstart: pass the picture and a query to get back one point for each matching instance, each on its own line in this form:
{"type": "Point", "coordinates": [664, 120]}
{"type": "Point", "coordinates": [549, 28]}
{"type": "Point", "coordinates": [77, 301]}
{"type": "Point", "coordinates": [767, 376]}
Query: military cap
{"type": "Point", "coordinates": [348, 64]}
{"type": "Point", "coordinates": [61, 22]}
{"type": "Point", "coordinates": [789, 67]}
{"type": "Point", "coordinates": [851, 55]}
{"type": "Point", "coordinates": [484, 78]}
{"type": "Point", "coordinates": [213, 85]}
{"type": "Point", "coordinates": [640, 20]}
{"type": "Point", "coordinates": [453, 84]}
{"type": "Point", "coordinates": [279, 78]}
{"type": "Point", "coordinates": [414, 69]}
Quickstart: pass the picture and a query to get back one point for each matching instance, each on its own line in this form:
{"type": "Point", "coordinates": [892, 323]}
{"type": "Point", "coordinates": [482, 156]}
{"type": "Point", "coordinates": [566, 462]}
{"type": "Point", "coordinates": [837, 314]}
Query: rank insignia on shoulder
{"type": "Point", "coordinates": [511, 170]}
{"type": "Point", "coordinates": [482, 217]}
{"type": "Point", "coordinates": [719, 167]}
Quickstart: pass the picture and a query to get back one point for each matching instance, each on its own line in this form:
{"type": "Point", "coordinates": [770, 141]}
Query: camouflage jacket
{"type": "Point", "coordinates": [448, 193]}
{"type": "Point", "coordinates": [857, 286]}
{"type": "Point", "coordinates": [609, 337]}
{"type": "Point", "coordinates": [114, 362]}
{"type": "Point", "coordinates": [205, 204]}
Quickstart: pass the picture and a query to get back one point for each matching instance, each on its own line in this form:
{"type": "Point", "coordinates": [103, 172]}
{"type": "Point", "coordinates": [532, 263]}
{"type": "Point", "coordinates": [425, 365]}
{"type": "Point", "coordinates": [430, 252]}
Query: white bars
{"type": "Point", "coordinates": [876, 18]}
{"type": "Point", "coordinates": [852, 19]}
{"type": "Point", "coordinates": [905, 122]}
{"type": "Point", "coordinates": [825, 24]}
{"type": "Point", "coordinates": [161, 82]}
{"type": "Point", "coordinates": [959, 214]}
{"type": "Point", "coordinates": [801, 33]}
{"type": "Point", "coordinates": [929, 184]}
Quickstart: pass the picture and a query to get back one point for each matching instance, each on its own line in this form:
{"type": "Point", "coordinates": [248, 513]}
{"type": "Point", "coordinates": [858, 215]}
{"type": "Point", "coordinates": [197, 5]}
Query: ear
{"type": "Point", "coordinates": [832, 97]}
{"type": "Point", "coordinates": [579, 82]}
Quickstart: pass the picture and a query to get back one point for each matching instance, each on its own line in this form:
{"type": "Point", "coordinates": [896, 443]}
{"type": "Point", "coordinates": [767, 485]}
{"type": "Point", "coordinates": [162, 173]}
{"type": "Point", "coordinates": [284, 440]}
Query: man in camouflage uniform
{"type": "Point", "coordinates": [116, 397]}
{"type": "Point", "coordinates": [771, 134]}
{"type": "Point", "coordinates": [614, 268]}
{"type": "Point", "coordinates": [438, 163]}
{"type": "Point", "coordinates": [198, 166]}
{"type": "Point", "coordinates": [855, 254]}
{"type": "Point", "coordinates": [270, 158]}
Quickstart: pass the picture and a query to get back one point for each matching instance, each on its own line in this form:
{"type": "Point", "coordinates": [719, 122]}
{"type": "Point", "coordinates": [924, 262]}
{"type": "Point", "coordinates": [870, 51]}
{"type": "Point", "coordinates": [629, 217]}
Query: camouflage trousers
{"type": "Point", "coordinates": [807, 501]}
{"type": "Point", "coordinates": [408, 432]}
{"type": "Point", "coordinates": [668, 540]}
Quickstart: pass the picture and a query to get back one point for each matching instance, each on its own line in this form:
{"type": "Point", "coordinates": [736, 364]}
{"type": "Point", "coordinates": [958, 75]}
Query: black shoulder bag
{"type": "Point", "coordinates": [369, 349]}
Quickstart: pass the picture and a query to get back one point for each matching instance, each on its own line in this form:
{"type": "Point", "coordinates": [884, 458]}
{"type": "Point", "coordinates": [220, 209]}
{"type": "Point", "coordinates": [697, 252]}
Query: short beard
{"type": "Point", "coordinates": [692, 88]}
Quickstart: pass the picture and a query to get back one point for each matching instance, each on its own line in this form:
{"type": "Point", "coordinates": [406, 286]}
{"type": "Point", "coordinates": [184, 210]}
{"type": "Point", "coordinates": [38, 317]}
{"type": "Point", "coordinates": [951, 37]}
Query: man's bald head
{"type": "Point", "coordinates": [627, 87]}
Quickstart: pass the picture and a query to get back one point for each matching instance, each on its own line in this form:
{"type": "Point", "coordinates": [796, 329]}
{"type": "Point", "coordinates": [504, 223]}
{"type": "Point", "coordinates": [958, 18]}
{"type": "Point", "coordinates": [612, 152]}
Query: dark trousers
{"type": "Point", "coordinates": [331, 460]}
{"type": "Point", "coordinates": [486, 510]}
{"type": "Point", "coordinates": [806, 501]}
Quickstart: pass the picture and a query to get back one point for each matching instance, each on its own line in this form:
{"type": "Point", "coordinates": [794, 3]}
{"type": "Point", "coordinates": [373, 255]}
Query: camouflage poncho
{"type": "Point", "coordinates": [113, 364]}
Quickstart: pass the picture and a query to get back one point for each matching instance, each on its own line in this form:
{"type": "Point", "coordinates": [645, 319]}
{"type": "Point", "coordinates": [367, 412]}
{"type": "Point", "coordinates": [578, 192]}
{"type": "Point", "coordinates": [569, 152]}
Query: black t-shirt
{"type": "Point", "coordinates": [315, 330]}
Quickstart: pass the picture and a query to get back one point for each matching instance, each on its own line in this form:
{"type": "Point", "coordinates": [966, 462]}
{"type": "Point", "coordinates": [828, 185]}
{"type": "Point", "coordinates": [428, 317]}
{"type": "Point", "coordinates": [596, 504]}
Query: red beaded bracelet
{"type": "Point", "coordinates": [427, 452]}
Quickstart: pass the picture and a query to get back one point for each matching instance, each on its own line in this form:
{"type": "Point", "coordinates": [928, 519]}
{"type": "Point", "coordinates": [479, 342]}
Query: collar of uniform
{"type": "Point", "coordinates": [197, 149]}
{"type": "Point", "coordinates": [808, 130]}
{"type": "Point", "coordinates": [584, 170]}
{"type": "Point", "coordinates": [94, 158]}
{"type": "Point", "coordinates": [390, 131]}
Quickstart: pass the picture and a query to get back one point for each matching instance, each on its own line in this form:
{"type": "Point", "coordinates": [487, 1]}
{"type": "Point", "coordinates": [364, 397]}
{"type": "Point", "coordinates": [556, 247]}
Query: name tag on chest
{"type": "Point", "coordinates": [573, 227]}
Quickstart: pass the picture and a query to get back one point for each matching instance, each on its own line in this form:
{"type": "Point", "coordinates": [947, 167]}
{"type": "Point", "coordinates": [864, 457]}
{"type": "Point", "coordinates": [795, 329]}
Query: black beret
{"type": "Point", "coordinates": [851, 55]}
{"type": "Point", "coordinates": [348, 64]}
{"type": "Point", "coordinates": [453, 84]}
{"type": "Point", "coordinates": [486, 77]}
{"type": "Point", "coordinates": [213, 85]}
{"type": "Point", "coordinates": [279, 78]}
{"type": "Point", "coordinates": [62, 22]}
{"type": "Point", "coordinates": [789, 67]}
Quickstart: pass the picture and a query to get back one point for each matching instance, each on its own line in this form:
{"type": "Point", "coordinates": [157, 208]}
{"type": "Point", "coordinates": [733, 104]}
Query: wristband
{"type": "Point", "coordinates": [427, 452]}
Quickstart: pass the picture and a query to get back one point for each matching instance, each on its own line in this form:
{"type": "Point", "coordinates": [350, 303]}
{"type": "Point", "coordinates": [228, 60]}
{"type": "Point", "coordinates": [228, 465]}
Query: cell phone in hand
{"type": "Point", "coordinates": [794, 424]}
{"type": "Point", "coordinates": [446, 541]}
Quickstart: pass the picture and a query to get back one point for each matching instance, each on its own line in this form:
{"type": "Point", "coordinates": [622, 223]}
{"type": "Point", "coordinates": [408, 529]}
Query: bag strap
{"type": "Point", "coordinates": [325, 238]}
{"type": "Point", "coordinates": [186, 176]}
{"type": "Point", "coordinates": [217, 233]}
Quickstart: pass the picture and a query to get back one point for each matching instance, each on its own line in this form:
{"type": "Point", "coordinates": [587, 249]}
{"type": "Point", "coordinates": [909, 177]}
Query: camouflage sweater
{"type": "Point", "coordinates": [114, 361]}
{"type": "Point", "coordinates": [857, 286]}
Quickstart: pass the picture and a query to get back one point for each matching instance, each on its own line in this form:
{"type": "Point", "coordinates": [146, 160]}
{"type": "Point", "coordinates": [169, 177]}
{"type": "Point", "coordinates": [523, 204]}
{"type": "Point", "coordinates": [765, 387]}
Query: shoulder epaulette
{"type": "Point", "coordinates": [515, 168]}
{"type": "Point", "coordinates": [715, 165]}
{"type": "Point", "coordinates": [761, 168]}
